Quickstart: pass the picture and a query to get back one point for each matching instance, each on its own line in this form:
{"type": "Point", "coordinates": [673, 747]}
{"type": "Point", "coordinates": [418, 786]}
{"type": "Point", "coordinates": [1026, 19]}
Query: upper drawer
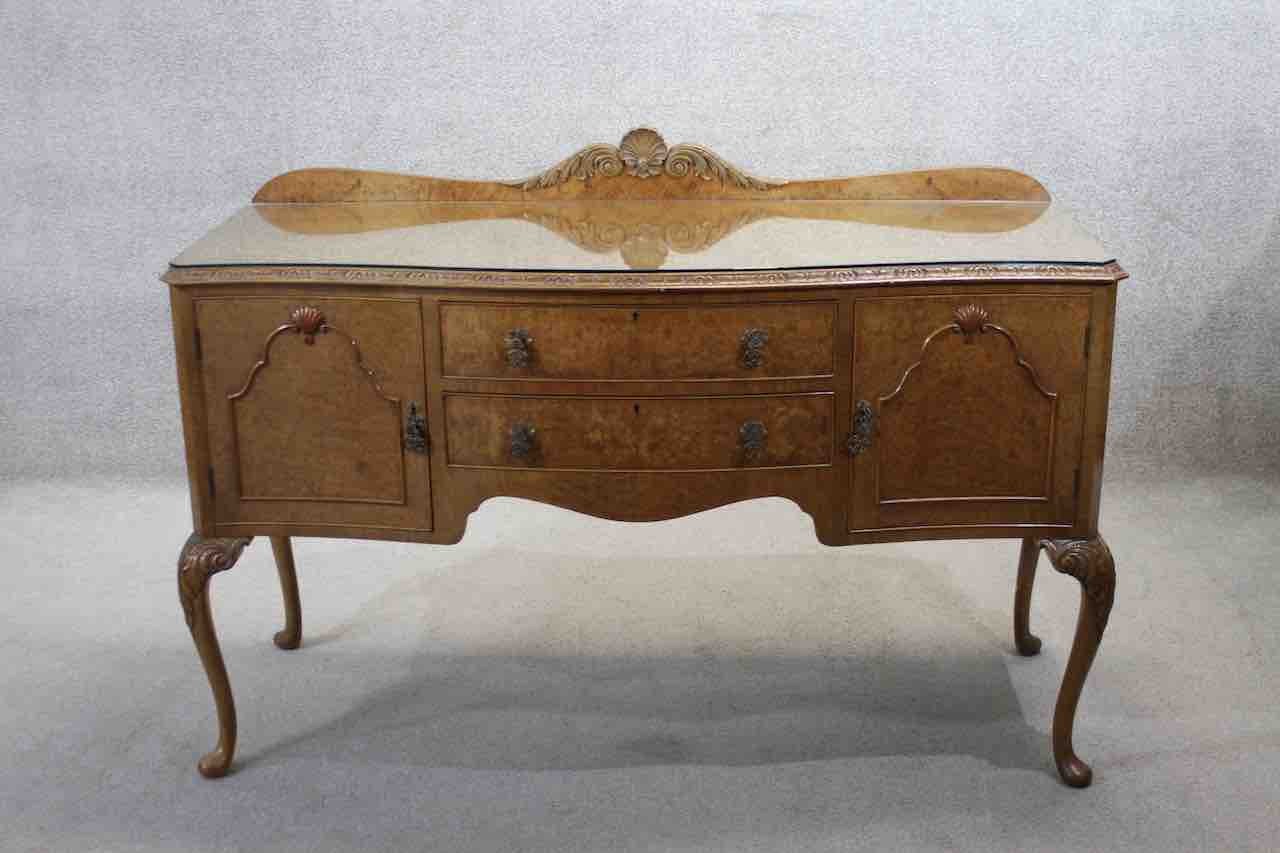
{"type": "Point", "coordinates": [629, 343]}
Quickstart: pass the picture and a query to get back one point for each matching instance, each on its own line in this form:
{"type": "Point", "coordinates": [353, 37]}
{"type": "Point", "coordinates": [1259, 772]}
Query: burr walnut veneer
{"type": "Point", "coordinates": [641, 332]}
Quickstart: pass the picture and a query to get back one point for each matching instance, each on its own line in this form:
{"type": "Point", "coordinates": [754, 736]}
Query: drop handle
{"type": "Point", "coordinates": [524, 440]}
{"type": "Point", "coordinates": [415, 430]}
{"type": "Point", "coordinates": [518, 344]}
{"type": "Point", "coordinates": [751, 438]}
{"type": "Point", "coordinates": [752, 343]}
{"type": "Point", "coordinates": [864, 428]}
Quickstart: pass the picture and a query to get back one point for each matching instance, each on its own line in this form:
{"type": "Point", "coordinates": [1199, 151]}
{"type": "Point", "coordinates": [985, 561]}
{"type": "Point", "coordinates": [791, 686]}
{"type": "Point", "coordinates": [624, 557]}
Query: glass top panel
{"type": "Point", "coordinates": [645, 235]}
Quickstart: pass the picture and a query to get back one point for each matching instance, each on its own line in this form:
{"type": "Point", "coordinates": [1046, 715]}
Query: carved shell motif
{"type": "Point", "coordinates": [970, 320]}
{"type": "Point", "coordinates": [308, 321]}
{"type": "Point", "coordinates": [643, 154]}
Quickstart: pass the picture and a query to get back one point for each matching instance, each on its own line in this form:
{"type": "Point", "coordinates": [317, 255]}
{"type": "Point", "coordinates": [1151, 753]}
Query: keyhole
{"type": "Point", "coordinates": [636, 406]}
{"type": "Point", "coordinates": [635, 316]}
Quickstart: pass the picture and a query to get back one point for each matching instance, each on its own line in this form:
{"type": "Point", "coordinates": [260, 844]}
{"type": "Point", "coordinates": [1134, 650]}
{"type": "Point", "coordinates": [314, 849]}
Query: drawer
{"type": "Point", "coordinates": [610, 343]}
{"type": "Point", "coordinates": [639, 433]}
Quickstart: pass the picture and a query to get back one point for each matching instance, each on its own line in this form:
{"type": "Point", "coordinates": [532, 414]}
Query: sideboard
{"type": "Point", "coordinates": [640, 332]}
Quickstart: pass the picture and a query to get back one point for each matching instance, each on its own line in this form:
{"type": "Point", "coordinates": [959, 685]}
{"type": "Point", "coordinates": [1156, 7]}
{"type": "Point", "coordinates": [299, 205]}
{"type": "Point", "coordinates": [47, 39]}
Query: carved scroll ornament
{"type": "Point", "coordinates": [643, 153]}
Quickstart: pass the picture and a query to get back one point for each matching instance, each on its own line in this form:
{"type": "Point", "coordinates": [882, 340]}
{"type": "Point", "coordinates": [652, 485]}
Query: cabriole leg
{"type": "Point", "coordinates": [1027, 643]}
{"type": "Point", "coordinates": [201, 559]}
{"type": "Point", "coordinates": [290, 637]}
{"type": "Point", "coordinates": [1088, 561]}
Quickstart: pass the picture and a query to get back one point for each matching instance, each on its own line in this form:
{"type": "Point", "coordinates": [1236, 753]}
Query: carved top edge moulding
{"type": "Point", "coordinates": [644, 166]}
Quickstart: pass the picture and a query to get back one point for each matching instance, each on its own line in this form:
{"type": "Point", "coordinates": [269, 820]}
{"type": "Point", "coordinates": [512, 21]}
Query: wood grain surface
{"type": "Point", "coordinates": [891, 403]}
{"type": "Point", "coordinates": [620, 343]}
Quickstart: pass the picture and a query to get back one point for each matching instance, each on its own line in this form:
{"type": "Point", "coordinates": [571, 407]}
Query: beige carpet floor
{"type": "Point", "coordinates": [561, 683]}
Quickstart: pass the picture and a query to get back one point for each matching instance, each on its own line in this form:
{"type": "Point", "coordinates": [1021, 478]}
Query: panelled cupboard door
{"type": "Point", "coordinates": [313, 406]}
{"type": "Point", "coordinates": [969, 409]}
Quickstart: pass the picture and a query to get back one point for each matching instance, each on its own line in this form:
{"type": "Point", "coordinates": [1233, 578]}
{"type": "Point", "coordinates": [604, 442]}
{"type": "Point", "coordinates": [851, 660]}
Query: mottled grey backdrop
{"type": "Point", "coordinates": [130, 128]}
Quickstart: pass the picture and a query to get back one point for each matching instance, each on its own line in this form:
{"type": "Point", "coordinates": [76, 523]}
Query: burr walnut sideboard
{"type": "Point", "coordinates": [641, 332]}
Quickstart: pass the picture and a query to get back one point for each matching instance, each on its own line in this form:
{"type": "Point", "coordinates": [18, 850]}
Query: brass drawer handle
{"type": "Point", "coordinates": [519, 346]}
{"type": "Point", "coordinates": [753, 341]}
{"type": "Point", "coordinates": [415, 431]}
{"type": "Point", "coordinates": [524, 440]}
{"type": "Point", "coordinates": [864, 427]}
{"type": "Point", "coordinates": [751, 437]}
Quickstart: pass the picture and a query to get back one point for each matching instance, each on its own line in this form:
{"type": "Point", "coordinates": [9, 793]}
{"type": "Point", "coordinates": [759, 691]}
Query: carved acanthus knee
{"type": "Point", "coordinates": [1090, 562]}
{"type": "Point", "coordinates": [200, 560]}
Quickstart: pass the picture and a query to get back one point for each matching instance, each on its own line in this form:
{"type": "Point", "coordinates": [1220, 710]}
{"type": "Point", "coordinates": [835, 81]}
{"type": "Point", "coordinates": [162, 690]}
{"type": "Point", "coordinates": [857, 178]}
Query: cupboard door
{"type": "Point", "coordinates": [316, 411]}
{"type": "Point", "coordinates": [969, 409]}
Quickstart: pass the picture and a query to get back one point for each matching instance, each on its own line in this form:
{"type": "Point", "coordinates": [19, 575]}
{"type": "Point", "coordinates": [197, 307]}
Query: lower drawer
{"type": "Point", "coordinates": [639, 433]}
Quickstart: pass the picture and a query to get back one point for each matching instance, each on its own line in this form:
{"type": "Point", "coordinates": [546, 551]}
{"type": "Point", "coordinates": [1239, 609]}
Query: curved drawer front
{"type": "Point", "coordinates": [611, 343]}
{"type": "Point", "coordinates": [639, 433]}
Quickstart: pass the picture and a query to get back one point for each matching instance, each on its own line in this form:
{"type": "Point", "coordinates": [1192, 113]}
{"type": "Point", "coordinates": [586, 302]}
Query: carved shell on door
{"type": "Point", "coordinates": [308, 321]}
{"type": "Point", "coordinates": [971, 320]}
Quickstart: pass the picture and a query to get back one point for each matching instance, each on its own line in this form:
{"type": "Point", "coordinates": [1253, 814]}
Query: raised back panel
{"type": "Point", "coordinates": [644, 166]}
